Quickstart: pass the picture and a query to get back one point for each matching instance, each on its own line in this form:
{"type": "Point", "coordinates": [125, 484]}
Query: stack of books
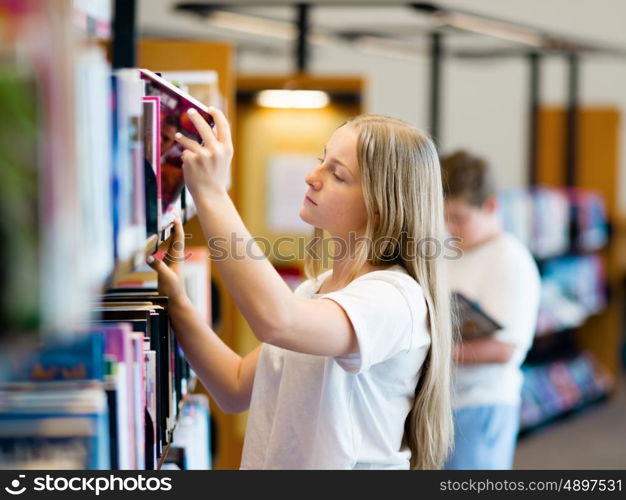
{"type": "Point", "coordinates": [562, 227]}
{"type": "Point", "coordinates": [561, 386]}
{"type": "Point", "coordinates": [572, 289]}
{"type": "Point", "coordinates": [191, 448]}
{"type": "Point", "coordinates": [111, 397]}
{"type": "Point", "coordinates": [53, 410]}
{"type": "Point", "coordinates": [555, 221]}
{"type": "Point", "coordinates": [592, 231]}
{"type": "Point", "coordinates": [137, 322]}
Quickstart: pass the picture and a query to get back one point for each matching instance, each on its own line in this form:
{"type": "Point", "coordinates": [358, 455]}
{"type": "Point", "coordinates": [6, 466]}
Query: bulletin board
{"type": "Point", "coordinates": [275, 148]}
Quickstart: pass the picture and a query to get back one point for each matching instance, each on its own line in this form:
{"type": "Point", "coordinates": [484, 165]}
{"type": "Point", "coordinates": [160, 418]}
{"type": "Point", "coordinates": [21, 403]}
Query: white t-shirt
{"type": "Point", "coordinates": [501, 276]}
{"type": "Point", "coordinates": [346, 412]}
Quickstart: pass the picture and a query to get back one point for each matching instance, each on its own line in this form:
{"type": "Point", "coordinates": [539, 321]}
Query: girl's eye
{"type": "Point", "coordinates": [337, 177]}
{"type": "Point", "coordinates": [321, 160]}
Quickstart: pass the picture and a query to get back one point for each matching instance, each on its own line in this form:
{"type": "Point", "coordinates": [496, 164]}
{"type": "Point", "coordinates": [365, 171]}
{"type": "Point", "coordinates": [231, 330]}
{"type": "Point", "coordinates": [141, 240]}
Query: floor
{"type": "Point", "coordinates": [593, 439]}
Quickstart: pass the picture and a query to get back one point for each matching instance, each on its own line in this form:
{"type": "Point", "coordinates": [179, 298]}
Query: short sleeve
{"type": "Point", "coordinates": [382, 318]}
{"type": "Point", "coordinates": [308, 288]}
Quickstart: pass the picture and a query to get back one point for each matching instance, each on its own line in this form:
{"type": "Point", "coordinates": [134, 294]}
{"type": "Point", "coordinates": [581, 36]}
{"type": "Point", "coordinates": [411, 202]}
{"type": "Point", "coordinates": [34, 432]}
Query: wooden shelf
{"type": "Point", "coordinates": [597, 169]}
{"type": "Point", "coordinates": [566, 328]}
{"type": "Point", "coordinates": [126, 266]}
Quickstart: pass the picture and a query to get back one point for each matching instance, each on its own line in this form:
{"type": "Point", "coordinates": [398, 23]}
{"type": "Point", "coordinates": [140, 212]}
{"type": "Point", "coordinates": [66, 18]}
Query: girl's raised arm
{"type": "Point", "coordinates": [227, 376]}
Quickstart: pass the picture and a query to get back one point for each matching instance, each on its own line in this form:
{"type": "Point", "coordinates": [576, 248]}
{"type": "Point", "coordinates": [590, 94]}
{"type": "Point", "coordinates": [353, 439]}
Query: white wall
{"type": "Point", "coordinates": [603, 80]}
{"type": "Point", "coordinates": [484, 103]}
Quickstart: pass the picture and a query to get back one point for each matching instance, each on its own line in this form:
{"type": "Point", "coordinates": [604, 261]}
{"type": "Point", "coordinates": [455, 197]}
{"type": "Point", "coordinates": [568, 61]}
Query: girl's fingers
{"type": "Point", "coordinates": [222, 125]}
{"type": "Point", "coordinates": [203, 128]}
{"type": "Point", "coordinates": [156, 264]}
{"type": "Point", "coordinates": [188, 143]}
{"type": "Point", "coordinates": [176, 250]}
{"type": "Point", "coordinates": [167, 278]}
{"type": "Point", "coordinates": [178, 228]}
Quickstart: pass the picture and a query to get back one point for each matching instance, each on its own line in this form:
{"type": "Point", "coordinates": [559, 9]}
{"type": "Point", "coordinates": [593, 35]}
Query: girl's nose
{"type": "Point", "coordinates": [313, 179]}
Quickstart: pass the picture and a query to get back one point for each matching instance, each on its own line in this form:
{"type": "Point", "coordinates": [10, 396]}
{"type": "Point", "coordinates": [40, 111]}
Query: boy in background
{"type": "Point", "coordinates": [496, 271]}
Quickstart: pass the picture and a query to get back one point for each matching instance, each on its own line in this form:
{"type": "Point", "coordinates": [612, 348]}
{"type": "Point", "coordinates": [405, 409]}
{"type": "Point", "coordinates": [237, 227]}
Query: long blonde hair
{"type": "Point", "coordinates": [402, 188]}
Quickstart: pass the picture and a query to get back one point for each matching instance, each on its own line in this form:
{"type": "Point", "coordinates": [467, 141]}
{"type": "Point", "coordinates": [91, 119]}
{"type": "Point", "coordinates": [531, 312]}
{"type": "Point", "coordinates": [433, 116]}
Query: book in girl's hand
{"type": "Point", "coordinates": [152, 162]}
{"type": "Point", "coordinates": [175, 104]}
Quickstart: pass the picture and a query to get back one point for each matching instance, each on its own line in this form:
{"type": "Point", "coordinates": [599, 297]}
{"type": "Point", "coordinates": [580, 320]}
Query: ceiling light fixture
{"type": "Point", "coordinates": [253, 25]}
{"type": "Point", "coordinates": [293, 99]}
{"type": "Point", "coordinates": [490, 28]}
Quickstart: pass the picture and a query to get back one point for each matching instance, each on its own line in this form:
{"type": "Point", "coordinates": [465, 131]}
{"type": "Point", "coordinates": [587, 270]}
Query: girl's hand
{"type": "Point", "coordinates": [206, 167]}
{"type": "Point", "coordinates": [171, 281]}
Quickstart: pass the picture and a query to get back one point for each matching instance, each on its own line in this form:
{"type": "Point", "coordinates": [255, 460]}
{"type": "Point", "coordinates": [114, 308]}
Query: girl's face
{"type": "Point", "coordinates": [334, 200]}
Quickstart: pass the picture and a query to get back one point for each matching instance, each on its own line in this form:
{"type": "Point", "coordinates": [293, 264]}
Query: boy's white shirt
{"type": "Point", "coordinates": [317, 412]}
{"type": "Point", "coordinates": [502, 277]}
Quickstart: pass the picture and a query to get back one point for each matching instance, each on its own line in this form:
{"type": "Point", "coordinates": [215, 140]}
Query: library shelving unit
{"type": "Point", "coordinates": [579, 366]}
{"type": "Point", "coordinates": [118, 386]}
{"type": "Point", "coordinates": [194, 55]}
{"type": "Point", "coordinates": [567, 230]}
{"type": "Point", "coordinates": [597, 168]}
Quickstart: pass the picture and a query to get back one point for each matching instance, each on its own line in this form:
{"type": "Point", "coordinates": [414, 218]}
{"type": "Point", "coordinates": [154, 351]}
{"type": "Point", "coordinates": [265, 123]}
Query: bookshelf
{"type": "Point", "coordinates": [560, 375]}
{"type": "Point", "coordinates": [194, 55]}
{"type": "Point", "coordinates": [598, 170]}
{"type": "Point", "coordinates": [104, 363]}
{"type": "Point", "coordinates": [181, 406]}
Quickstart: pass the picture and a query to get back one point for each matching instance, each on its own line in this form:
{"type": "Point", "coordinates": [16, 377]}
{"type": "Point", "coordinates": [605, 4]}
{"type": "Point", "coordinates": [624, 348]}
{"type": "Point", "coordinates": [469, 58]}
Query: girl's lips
{"type": "Point", "coordinates": [310, 200]}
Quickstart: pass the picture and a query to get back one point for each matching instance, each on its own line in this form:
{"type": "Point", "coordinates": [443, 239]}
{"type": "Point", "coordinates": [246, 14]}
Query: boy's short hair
{"type": "Point", "coordinates": [468, 177]}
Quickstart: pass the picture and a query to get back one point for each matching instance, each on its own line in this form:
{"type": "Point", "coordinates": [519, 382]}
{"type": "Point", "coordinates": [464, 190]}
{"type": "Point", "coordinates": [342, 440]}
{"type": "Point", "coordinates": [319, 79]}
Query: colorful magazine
{"type": "Point", "coordinates": [152, 162]}
{"type": "Point", "coordinates": [175, 104]}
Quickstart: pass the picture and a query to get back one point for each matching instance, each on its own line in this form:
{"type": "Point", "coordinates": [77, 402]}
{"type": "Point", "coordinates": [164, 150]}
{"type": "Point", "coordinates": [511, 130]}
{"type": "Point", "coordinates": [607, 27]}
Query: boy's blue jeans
{"type": "Point", "coordinates": [484, 437]}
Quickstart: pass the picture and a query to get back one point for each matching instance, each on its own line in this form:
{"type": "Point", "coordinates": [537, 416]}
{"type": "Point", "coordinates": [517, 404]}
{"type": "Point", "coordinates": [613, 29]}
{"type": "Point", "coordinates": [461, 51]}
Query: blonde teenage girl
{"type": "Point", "coordinates": [353, 370]}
